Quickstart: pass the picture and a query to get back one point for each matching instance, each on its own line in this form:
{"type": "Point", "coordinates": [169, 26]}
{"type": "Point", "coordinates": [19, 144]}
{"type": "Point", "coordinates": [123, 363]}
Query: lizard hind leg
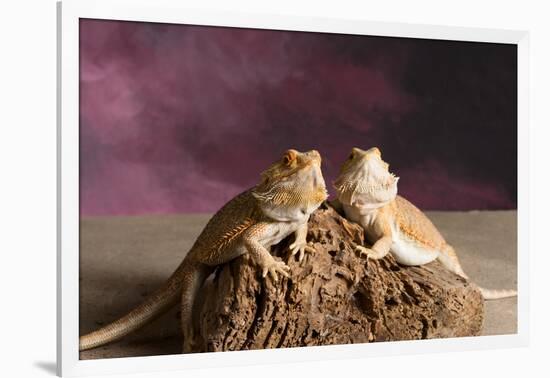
{"type": "Point", "coordinates": [194, 276]}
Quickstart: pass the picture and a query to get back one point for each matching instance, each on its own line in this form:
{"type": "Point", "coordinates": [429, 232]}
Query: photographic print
{"type": "Point", "coordinates": [249, 188]}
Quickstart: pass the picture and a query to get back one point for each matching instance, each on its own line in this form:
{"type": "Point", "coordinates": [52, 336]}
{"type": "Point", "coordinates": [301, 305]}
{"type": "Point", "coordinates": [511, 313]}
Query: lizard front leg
{"type": "Point", "coordinates": [380, 230]}
{"type": "Point", "coordinates": [300, 245]}
{"type": "Point", "coordinates": [261, 255]}
{"type": "Point", "coordinates": [382, 246]}
{"type": "Point", "coordinates": [379, 249]}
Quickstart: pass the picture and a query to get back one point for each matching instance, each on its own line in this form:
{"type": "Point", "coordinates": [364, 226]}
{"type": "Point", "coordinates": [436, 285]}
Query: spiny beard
{"type": "Point", "coordinates": [374, 190]}
{"type": "Point", "coordinates": [292, 195]}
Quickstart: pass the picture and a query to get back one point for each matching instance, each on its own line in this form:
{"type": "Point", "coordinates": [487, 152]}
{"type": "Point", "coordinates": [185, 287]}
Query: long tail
{"type": "Point", "coordinates": [497, 294]}
{"type": "Point", "coordinates": [155, 305]}
{"type": "Point", "coordinates": [450, 260]}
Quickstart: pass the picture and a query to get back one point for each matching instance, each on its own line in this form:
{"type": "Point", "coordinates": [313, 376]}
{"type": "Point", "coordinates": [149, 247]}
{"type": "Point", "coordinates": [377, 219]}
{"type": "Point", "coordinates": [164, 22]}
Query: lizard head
{"type": "Point", "coordinates": [365, 179]}
{"type": "Point", "coordinates": [293, 183]}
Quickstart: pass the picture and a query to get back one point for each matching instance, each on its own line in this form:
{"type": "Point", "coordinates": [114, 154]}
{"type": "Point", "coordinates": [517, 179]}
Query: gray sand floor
{"type": "Point", "coordinates": [123, 259]}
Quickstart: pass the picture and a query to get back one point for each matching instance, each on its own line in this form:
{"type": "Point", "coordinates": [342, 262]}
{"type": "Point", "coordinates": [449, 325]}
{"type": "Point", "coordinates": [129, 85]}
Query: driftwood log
{"type": "Point", "coordinates": [334, 296]}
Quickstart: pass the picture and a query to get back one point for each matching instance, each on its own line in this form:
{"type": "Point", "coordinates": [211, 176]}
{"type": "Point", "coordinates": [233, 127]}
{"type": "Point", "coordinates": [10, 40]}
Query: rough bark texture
{"type": "Point", "coordinates": [333, 297]}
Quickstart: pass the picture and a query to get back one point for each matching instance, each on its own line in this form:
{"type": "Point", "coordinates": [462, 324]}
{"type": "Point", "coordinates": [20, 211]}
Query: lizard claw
{"type": "Point", "coordinates": [300, 248]}
{"type": "Point", "coordinates": [364, 251]}
{"type": "Point", "coordinates": [274, 268]}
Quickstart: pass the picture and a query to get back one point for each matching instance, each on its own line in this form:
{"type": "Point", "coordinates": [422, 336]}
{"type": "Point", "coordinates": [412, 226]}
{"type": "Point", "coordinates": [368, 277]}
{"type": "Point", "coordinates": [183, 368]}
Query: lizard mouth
{"type": "Point", "coordinates": [365, 187]}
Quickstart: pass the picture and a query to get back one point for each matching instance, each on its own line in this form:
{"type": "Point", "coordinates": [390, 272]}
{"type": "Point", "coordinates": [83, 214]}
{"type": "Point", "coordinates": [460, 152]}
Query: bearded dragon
{"type": "Point", "coordinates": [288, 192]}
{"type": "Point", "coordinates": [367, 191]}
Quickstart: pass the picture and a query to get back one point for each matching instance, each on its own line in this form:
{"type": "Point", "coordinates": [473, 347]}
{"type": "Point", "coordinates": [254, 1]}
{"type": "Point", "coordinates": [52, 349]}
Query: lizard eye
{"type": "Point", "coordinates": [289, 157]}
{"type": "Point", "coordinates": [353, 153]}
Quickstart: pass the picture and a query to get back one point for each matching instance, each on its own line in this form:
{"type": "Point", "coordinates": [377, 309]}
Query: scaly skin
{"type": "Point", "coordinates": [289, 191]}
{"type": "Point", "coordinates": [367, 192]}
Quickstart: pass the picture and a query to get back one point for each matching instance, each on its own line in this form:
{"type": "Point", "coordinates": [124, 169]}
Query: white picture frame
{"type": "Point", "coordinates": [171, 11]}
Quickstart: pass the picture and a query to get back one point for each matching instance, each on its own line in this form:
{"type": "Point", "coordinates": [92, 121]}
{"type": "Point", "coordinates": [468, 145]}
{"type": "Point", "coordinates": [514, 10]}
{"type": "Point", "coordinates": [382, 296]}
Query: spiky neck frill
{"type": "Point", "coordinates": [290, 196]}
{"type": "Point", "coordinates": [369, 190]}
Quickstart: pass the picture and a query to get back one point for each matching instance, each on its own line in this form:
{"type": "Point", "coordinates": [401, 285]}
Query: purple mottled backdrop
{"type": "Point", "coordinates": [178, 118]}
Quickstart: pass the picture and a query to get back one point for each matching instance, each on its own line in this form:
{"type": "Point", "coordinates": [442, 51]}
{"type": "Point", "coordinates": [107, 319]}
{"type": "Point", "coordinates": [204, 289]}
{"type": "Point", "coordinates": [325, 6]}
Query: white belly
{"type": "Point", "coordinates": [277, 232]}
{"type": "Point", "coordinates": [409, 252]}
